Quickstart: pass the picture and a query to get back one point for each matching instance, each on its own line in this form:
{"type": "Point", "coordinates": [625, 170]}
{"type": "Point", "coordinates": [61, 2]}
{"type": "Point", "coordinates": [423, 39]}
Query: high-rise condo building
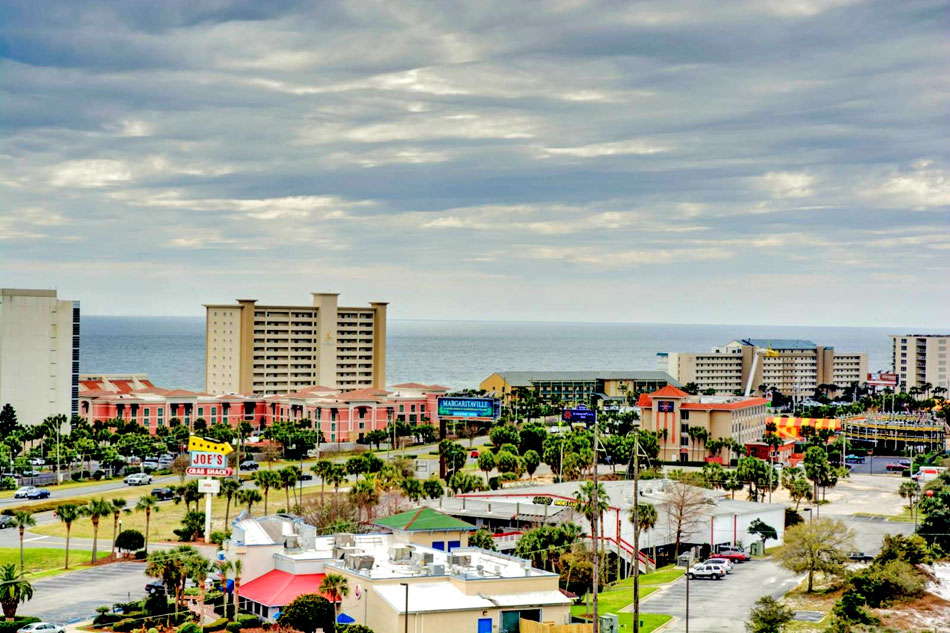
{"type": "Point", "coordinates": [254, 349]}
{"type": "Point", "coordinates": [922, 358]}
{"type": "Point", "coordinates": [39, 354]}
{"type": "Point", "coordinates": [794, 367]}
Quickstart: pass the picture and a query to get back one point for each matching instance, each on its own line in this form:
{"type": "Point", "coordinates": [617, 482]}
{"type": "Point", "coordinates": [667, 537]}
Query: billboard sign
{"type": "Point", "coordinates": [208, 460]}
{"type": "Point", "coordinates": [468, 408]}
{"type": "Point", "coordinates": [585, 416]}
{"type": "Point", "coordinates": [883, 379]}
{"type": "Point", "coordinates": [664, 406]}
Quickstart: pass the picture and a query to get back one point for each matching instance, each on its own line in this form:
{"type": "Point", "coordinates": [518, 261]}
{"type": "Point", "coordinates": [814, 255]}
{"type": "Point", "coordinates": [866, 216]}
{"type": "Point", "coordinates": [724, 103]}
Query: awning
{"type": "Point", "coordinates": [344, 619]}
{"type": "Point", "coordinates": [278, 588]}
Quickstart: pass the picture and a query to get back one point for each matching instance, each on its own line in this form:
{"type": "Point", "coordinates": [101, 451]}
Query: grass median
{"type": "Point", "coordinates": [41, 562]}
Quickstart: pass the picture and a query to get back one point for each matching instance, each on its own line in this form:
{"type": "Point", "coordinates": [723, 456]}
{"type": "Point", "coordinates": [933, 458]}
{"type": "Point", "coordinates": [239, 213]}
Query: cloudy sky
{"type": "Point", "coordinates": [760, 161]}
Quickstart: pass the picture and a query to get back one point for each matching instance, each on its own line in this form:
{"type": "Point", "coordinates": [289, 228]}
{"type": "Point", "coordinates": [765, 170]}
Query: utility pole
{"type": "Point", "coordinates": [687, 600]}
{"type": "Point", "coordinates": [593, 526]}
{"type": "Point", "coordinates": [636, 530]}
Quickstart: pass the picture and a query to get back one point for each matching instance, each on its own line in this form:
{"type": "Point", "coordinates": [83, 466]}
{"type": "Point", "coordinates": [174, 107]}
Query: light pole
{"type": "Point", "coordinates": [594, 520]}
{"type": "Point", "coordinates": [808, 510]}
{"type": "Point", "coordinates": [406, 616]}
{"type": "Point", "coordinates": [636, 529]}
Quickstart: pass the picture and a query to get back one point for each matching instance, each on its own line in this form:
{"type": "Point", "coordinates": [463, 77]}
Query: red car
{"type": "Point", "coordinates": [474, 454]}
{"type": "Point", "coordinates": [898, 467]}
{"type": "Point", "coordinates": [733, 555]}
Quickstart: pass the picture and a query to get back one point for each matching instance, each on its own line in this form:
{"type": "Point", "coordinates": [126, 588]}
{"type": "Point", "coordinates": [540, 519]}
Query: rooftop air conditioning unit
{"type": "Point", "coordinates": [397, 553]}
{"type": "Point", "coordinates": [437, 570]}
{"type": "Point", "coordinates": [459, 559]}
{"type": "Point", "coordinates": [344, 539]}
{"type": "Point", "coordinates": [292, 541]}
{"type": "Point", "coordinates": [427, 558]}
{"type": "Point", "coordinates": [362, 561]}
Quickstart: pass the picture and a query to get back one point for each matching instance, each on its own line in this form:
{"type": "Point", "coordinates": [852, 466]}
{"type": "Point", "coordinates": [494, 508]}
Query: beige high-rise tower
{"type": "Point", "coordinates": [251, 348]}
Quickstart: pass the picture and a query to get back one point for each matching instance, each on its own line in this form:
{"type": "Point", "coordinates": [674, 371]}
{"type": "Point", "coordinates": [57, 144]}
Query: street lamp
{"type": "Point", "coordinates": [406, 616]}
{"type": "Point", "coordinates": [808, 510]}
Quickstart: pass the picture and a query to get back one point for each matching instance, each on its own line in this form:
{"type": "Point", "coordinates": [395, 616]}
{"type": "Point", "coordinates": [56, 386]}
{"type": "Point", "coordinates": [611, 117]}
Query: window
{"type": "Point", "coordinates": [684, 415]}
{"type": "Point", "coordinates": [201, 412]}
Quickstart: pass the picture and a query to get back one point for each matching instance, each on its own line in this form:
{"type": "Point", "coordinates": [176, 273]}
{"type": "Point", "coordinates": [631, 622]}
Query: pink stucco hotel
{"type": "Point", "coordinates": [343, 416]}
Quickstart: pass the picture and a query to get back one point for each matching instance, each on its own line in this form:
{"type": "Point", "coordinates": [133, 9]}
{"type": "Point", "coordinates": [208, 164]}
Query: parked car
{"type": "Point", "coordinates": [897, 467]}
{"type": "Point", "coordinates": [5, 521]}
{"type": "Point", "coordinates": [37, 461]}
{"type": "Point", "coordinates": [38, 493]}
{"type": "Point", "coordinates": [306, 477]}
{"type": "Point", "coordinates": [138, 479]}
{"type": "Point", "coordinates": [156, 586]}
{"type": "Point", "coordinates": [854, 459]}
{"type": "Point", "coordinates": [707, 570]}
{"type": "Point", "coordinates": [41, 627]}
{"type": "Point", "coordinates": [163, 494]}
{"type": "Point", "coordinates": [249, 464]}
{"type": "Point", "coordinates": [474, 454]}
{"type": "Point", "coordinates": [860, 557]}
{"type": "Point", "coordinates": [734, 556]}
{"type": "Point", "coordinates": [150, 465]}
{"type": "Point", "coordinates": [725, 562]}
{"type": "Point", "coordinates": [21, 493]}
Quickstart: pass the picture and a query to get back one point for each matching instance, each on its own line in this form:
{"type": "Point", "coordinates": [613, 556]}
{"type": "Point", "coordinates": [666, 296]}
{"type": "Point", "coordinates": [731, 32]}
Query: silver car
{"type": "Point", "coordinates": [41, 627]}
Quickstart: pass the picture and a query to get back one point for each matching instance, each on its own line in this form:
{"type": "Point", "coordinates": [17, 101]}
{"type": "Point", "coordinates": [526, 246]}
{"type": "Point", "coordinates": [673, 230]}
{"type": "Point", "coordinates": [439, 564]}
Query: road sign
{"type": "Point", "coordinates": [210, 486]}
{"type": "Point", "coordinates": [210, 472]}
{"type": "Point", "coordinates": [585, 416]}
{"type": "Point", "coordinates": [208, 445]}
{"type": "Point", "coordinates": [208, 460]}
{"type": "Point", "coordinates": [468, 408]}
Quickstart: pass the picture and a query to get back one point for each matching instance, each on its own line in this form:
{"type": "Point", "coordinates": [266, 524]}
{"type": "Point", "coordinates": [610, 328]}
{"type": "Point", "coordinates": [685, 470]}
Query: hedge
{"type": "Point", "coordinates": [233, 627]}
{"type": "Point", "coordinates": [105, 619]}
{"type": "Point", "coordinates": [127, 625]}
{"type": "Point", "coordinates": [217, 625]}
{"type": "Point", "coordinates": [12, 627]}
{"type": "Point", "coordinates": [248, 620]}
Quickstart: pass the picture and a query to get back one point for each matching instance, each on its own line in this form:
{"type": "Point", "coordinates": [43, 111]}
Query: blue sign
{"type": "Point", "coordinates": [468, 408]}
{"type": "Point", "coordinates": [664, 406]}
{"type": "Point", "coordinates": [586, 416]}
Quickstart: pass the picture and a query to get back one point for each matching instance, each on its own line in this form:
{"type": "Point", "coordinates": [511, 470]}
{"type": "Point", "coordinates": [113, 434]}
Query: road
{"type": "Point", "coordinates": [75, 596]}
{"type": "Point", "coordinates": [720, 606]}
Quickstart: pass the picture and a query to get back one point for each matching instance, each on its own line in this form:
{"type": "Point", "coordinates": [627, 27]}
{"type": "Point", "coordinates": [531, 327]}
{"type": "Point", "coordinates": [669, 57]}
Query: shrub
{"type": "Point", "coordinates": [233, 627]}
{"type": "Point", "coordinates": [493, 483]}
{"type": "Point", "coordinates": [105, 619]}
{"type": "Point", "coordinates": [309, 612]}
{"type": "Point", "coordinates": [141, 554]}
{"type": "Point", "coordinates": [910, 549]}
{"type": "Point", "coordinates": [218, 537]}
{"type": "Point", "coordinates": [217, 625]}
{"type": "Point", "coordinates": [130, 540]}
{"type": "Point", "coordinates": [14, 625]}
{"type": "Point", "coordinates": [156, 604]}
{"type": "Point", "coordinates": [880, 584]}
{"type": "Point", "coordinates": [214, 597]}
{"type": "Point", "coordinates": [8, 483]}
{"type": "Point", "coordinates": [189, 627]}
{"type": "Point", "coordinates": [98, 474]}
{"type": "Point", "coordinates": [248, 620]}
{"type": "Point", "coordinates": [126, 626]}
{"type": "Point", "coordinates": [792, 518]}
{"type": "Point", "coordinates": [508, 477]}
{"type": "Point", "coordinates": [152, 630]}
{"type": "Point", "coordinates": [354, 628]}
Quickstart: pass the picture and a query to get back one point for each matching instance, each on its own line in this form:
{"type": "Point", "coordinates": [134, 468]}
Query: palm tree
{"type": "Point", "coordinates": [909, 490]}
{"type": "Point", "coordinates": [237, 566]}
{"type": "Point", "coordinates": [289, 476]}
{"type": "Point", "coordinates": [265, 480]}
{"type": "Point", "coordinates": [229, 487]}
{"type": "Point", "coordinates": [412, 488]}
{"type": "Point", "coordinates": [584, 497]}
{"type": "Point", "coordinates": [364, 494]}
{"type": "Point", "coordinates": [67, 513]}
{"type": "Point", "coordinates": [23, 519]}
{"type": "Point", "coordinates": [646, 520]}
{"type": "Point", "coordinates": [14, 590]}
{"type": "Point", "coordinates": [198, 568]}
{"type": "Point", "coordinates": [335, 587]}
{"type": "Point", "coordinates": [336, 476]}
{"type": "Point", "coordinates": [147, 504]}
{"type": "Point", "coordinates": [321, 469]}
{"type": "Point", "coordinates": [249, 497]}
{"type": "Point", "coordinates": [95, 509]}
{"type": "Point", "coordinates": [118, 506]}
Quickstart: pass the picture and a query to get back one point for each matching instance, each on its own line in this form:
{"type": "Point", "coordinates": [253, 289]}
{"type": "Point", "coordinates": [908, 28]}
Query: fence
{"type": "Point", "coordinates": [528, 626]}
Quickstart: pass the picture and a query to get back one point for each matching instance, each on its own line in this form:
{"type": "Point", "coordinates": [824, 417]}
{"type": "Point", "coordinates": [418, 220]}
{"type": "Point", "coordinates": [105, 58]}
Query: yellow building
{"type": "Point", "coordinates": [252, 348]}
{"type": "Point", "coordinates": [670, 412]}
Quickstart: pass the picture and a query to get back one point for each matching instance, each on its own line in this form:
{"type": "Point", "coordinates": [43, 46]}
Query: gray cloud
{"type": "Point", "coordinates": [157, 156]}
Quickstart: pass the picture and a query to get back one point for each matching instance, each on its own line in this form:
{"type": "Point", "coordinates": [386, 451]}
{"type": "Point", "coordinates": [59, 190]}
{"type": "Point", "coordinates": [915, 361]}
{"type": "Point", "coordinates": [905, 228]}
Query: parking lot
{"type": "Point", "coordinates": [877, 465]}
{"type": "Point", "coordinates": [75, 596]}
{"type": "Point", "coordinates": [720, 606]}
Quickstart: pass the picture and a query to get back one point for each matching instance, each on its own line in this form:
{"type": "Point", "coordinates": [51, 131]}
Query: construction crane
{"type": "Point", "coordinates": [769, 352]}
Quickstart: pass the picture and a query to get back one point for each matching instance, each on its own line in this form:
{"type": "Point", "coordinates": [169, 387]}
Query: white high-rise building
{"type": "Point", "coordinates": [922, 359]}
{"type": "Point", "coordinates": [39, 354]}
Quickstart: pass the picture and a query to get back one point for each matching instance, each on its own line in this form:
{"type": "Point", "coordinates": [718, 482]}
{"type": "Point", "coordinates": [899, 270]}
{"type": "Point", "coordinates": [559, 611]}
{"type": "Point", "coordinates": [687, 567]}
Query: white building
{"type": "Point", "coordinates": [39, 354]}
{"type": "Point", "coordinates": [922, 358]}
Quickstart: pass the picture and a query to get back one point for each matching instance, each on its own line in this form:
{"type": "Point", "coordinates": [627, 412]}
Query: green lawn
{"type": "Point", "coordinates": [661, 576]}
{"type": "Point", "coordinates": [42, 561]}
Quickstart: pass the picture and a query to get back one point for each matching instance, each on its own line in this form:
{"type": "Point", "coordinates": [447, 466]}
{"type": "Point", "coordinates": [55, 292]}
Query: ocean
{"type": "Point", "coordinates": [458, 354]}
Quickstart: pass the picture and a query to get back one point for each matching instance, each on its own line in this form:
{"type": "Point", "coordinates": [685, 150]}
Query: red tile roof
{"type": "Point", "coordinates": [363, 394]}
{"type": "Point", "coordinates": [669, 391]}
{"type": "Point", "coordinates": [278, 588]}
{"type": "Point", "coordinates": [411, 385]}
{"type": "Point", "coordinates": [644, 401]}
{"type": "Point", "coordinates": [724, 406]}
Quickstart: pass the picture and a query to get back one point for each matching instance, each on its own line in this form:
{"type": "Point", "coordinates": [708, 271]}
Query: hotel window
{"type": "Point", "coordinates": [145, 415]}
{"type": "Point", "coordinates": [402, 408]}
{"type": "Point", "coordinates": [412, 418]}
{"type": "Point", "coordinates": [214, 414]}
{"type": "Point", "coordinates": [201, 412]}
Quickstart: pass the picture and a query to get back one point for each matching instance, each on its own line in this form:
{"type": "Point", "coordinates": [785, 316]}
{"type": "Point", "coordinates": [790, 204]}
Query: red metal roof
{"type": "Point", "coordinates": [363, 394]}
{"type": "Point", "coordinates": [645, 401]}
{"type": "Point", "coordinates": [277, 588]}
{"type": "Point", "coordinates": [669, 391]}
